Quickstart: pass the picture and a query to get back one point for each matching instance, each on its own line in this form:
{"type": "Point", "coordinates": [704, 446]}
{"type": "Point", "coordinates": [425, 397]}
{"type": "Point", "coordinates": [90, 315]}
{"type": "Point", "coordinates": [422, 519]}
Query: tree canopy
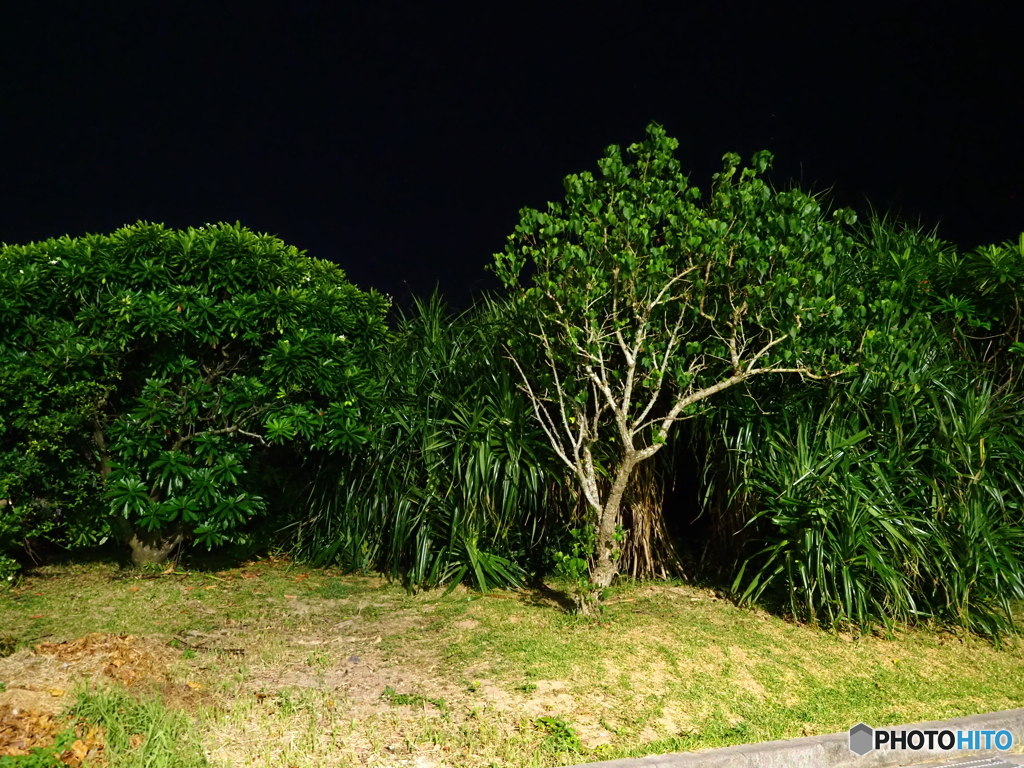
{"type": "Point", "coordinates": [154, 367]}
{"type": "Point", "coordinates": [647, 299]}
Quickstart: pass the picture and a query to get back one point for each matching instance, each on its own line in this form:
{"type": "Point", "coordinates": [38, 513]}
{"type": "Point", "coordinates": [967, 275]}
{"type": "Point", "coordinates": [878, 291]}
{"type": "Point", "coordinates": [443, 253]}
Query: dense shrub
{"type": "Point", "coordinates": [893, 493]}
{"type": "Point", "coordinates": [144, 373]}
{"type": "Point", "coordinates": [458, 483]}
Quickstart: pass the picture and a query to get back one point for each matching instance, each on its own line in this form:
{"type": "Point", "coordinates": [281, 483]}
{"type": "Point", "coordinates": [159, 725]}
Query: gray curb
{"type": "Point", "coordinates": [832, 751]}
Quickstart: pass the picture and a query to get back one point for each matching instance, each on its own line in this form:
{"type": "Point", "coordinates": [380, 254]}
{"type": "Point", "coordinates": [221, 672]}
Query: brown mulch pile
{"type": "Point", "coordinates": [37, 681]}
{"type": "Point", "coordinates": [22, 730]}
{"type": "Point", "coordinates": [124, 657]}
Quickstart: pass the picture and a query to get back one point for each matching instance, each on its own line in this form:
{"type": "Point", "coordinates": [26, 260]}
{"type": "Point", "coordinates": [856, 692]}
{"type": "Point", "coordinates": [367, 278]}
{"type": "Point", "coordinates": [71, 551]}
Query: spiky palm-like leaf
{"type": "Point", "coordinates": [456, 484]}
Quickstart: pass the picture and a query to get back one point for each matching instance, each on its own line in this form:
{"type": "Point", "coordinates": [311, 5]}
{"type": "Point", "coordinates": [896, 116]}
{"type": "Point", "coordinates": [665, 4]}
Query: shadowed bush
{"type": "Point", "coordinates": [893, 494]}
{"type": "Point", "coordinates": [458, 481]}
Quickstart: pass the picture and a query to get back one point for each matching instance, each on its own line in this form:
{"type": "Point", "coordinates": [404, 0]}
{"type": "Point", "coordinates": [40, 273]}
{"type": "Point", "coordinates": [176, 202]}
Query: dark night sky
{"type": "Point", "coordinates": [400, 140]}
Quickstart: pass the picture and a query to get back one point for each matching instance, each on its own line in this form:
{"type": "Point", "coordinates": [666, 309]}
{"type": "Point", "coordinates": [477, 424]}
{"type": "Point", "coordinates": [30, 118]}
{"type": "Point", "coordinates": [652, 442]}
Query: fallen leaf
{"type": "Point", "coordinates": [194, 686]}
{"type": "Point", "coordinates": [290, 597]}
{"type": "Point", "coordinates": [133, 589]}
{"type": "Point", "coordinates": [79, 751]}
{"type": "Point", "coordinates": [211, 586]}
{"type": "Point", "coordinates": [56, 692]}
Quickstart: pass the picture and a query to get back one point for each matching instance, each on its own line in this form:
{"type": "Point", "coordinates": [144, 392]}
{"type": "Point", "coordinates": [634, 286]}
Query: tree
{"type": "Point", "coordinates": [646, 301]}
{"type": "Point", "coordinates": [195, 351]}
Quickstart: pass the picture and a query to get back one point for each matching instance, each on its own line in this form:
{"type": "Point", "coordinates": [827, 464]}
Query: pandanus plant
{"type": "Point", "coordinates": [893, 494]}
{"type": "Point", "coordinates": [457, 483]}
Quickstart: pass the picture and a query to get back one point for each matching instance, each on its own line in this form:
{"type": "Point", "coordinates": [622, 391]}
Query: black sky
{"type": "Point", "coordinates": [400, 140]}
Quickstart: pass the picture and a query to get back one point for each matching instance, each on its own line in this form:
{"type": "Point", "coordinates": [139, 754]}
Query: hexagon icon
{"type": "Point", "coordinates": [862, 738]}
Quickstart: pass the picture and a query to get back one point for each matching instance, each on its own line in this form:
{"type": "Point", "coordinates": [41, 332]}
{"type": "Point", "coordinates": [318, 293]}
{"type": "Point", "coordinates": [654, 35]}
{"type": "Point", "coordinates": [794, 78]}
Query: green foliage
{"type": "Point", "coordinates": [9, 568]}
{"type": "Point", "coordinates": [42, 757]}
{"type": "Point", "coordinates": [140, 732]}
{"type": "Point", "coordinates": [574, 566]}
{"type": "Point", "coordinates": [645, 300]}
{"type": "Point", "coordinates": [699, 290]}
{"type": "Point", "coordinates": [156, 360]}
{"type": "Point", "coordinates": [456, 484]}
{"type": "Point", "coordinates": [47, 480]}
{"type": "Point", "coordinates": [559, 735]}
{"type": "Point", "coordinates": [894, 494]}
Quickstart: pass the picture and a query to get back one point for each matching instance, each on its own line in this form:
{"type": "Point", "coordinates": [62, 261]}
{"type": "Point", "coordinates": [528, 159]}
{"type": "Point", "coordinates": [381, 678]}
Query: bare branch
{"type": "Point", "coordinates": [542, 416]}
{"type": "Point", "coordinates": [223, 431]}
{"type": "Point", "coordinates": [670, 347]}
{"type": "Point", "coordinates": [765, 349]}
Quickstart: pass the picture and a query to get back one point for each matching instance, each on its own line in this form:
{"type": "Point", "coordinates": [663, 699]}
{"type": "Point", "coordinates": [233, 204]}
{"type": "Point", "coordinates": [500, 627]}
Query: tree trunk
{"type": "Point", "coordinates": [103, 458]}
{"type": "Point", "coordinates": [149, 546]}
{"type": "Point", "coordinates": [606, 556]}
{"type": "Point", "coordinates": [153, 550]}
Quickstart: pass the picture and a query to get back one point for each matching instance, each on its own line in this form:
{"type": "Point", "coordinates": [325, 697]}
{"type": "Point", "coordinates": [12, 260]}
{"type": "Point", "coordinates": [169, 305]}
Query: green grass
{"type": "Point", "coordinates": [341, 670]}
{"type": "Point", "coordinates": [140, 732]}
{"type": "Point", "coordinates": [413, 699]}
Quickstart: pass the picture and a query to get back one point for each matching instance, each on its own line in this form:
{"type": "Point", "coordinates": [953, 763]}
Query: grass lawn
{"type": "Point", "coordinates": [275, 664]}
